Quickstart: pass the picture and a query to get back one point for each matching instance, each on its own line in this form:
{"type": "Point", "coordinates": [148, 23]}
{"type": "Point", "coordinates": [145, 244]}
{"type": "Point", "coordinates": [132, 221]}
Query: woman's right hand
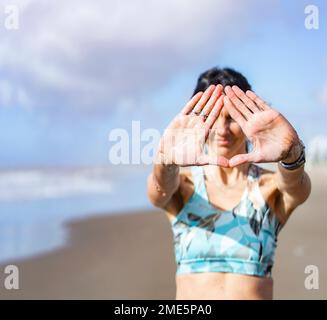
{"type": "Point", "coordinates": [183, 141]}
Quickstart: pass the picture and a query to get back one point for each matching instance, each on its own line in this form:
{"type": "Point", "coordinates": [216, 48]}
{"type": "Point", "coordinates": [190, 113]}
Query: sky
{"type": "Point", "coordinates": [75, 69]}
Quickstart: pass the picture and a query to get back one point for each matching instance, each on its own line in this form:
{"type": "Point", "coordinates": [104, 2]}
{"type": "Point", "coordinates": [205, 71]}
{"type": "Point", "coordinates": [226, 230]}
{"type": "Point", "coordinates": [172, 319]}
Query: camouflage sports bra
{"type": "Point", "coordinates": [242, 240]}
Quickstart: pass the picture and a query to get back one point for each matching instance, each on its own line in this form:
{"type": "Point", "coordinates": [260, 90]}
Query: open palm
{"type": "Point", "coordinates": [184, 139]}
{"type": "Point", "coordinates": [268, 130]}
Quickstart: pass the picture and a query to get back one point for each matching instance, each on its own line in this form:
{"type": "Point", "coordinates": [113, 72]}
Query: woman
{"type": "Point", "coordinates": [226, 211]}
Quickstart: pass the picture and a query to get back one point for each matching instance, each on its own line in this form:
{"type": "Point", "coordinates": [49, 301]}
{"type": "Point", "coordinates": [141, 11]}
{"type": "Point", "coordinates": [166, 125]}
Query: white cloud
{"type": "Point", "coordinates": [12, 95]}
{"type": "Point", "coordinates": [323, 95]}
{"type": "Point", "coordinates": [95, 53]}
{"type": "Point", "coordinates": [6, 92]}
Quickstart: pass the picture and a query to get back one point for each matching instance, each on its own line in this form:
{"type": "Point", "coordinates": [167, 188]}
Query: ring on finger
{"type": "Point", "coordinates": [196, 112]}
{"type": "Point", "coordinates": [204, 116]}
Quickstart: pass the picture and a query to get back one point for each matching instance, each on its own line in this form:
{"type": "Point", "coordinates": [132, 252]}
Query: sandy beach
{"type": "Point", "coordinates": [130, 256]}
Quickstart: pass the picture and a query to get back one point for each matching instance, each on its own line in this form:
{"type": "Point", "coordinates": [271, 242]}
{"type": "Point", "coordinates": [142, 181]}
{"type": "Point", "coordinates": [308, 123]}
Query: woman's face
{"type": "Point", "coordinates": [226, 137]}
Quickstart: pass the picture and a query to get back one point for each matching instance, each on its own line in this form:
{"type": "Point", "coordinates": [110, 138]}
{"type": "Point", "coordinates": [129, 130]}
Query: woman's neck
{"type": "Point", "coordinates": [228, 176]}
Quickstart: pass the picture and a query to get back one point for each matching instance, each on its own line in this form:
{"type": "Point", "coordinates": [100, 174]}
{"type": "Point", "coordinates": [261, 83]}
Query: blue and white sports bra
{"type": "Point", "coordinates": [242, 240]}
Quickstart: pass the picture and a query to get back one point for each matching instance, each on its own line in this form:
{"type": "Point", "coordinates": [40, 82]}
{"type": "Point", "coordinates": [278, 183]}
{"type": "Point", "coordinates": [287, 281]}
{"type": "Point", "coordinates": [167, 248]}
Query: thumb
{"type": "Point", "coordinates": [214, 160]}
{"type": "Point", "coordinates": [241, 158]}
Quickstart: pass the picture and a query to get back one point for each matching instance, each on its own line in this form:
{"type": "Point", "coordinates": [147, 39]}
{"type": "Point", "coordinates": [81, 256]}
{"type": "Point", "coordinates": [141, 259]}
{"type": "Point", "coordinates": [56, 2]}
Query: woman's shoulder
{"type": "Point", "coordinates": [182, 194]}
{"type": "Point", "coordinates": [186, 183]}
{"type": "Point", "coordinates": [266, 177]}
{"type": "Point", "coordinates": [271, 193]}
{"type": "Point", "coordinates": [266, 173]}
{"type": "Point", "coordinates": [186, 174]}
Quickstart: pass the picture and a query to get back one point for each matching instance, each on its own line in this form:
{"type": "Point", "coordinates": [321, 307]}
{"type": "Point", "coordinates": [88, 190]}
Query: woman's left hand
{"type": "Point", "coordinates": [270, 133]}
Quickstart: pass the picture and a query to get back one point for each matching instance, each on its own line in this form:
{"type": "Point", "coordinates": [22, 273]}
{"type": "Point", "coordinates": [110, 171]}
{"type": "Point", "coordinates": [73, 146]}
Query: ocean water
{"type": "Point", "coordinates": [35, 204]}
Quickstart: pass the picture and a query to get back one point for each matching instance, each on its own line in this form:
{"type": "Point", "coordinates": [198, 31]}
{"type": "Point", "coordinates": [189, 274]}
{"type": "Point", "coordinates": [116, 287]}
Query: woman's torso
{"type": "Point", "coordinates": [223, 285]}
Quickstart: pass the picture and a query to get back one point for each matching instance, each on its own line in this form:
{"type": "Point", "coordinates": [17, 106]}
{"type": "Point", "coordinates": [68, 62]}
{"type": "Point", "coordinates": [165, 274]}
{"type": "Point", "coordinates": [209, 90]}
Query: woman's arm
{"type": "Point", "coordinates": [182, 145]}
{"type": "Point", "coordinates": [274, 139]}
{"type": "Point", "coordinates": [294, 185]}
{"type": "Point", "coordinates": [162, 183]}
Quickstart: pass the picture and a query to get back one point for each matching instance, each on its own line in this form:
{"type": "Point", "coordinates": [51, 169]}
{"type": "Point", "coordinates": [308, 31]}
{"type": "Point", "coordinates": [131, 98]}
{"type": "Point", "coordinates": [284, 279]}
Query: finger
{"type": "Point", "coordinates": [204, 99]}
{"type": "Point", "coordinates": [259, 102]}
{"type": "Point", "coordinates": [190, 105]}
{"type": "Point", "coordinates": [219, 161]}
{"type": "Point", "coordinates": [241, 158]}
{"type": "Point", "coordinates": [210, 104]}
{"type": "Point", "coordinates": [214, 113]}
{"type": "Point", "coordinates": [238, 103]}
{"type": "Point", "coordinates": [213, 160]}
{"type": "Point", "coordinates": [245, 99]}
{"type": "Point", "coordinates": [234, 113]}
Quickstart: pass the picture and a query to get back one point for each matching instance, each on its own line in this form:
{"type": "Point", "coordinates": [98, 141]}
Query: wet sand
{"type": "Point", "coordinates": [131, 256]}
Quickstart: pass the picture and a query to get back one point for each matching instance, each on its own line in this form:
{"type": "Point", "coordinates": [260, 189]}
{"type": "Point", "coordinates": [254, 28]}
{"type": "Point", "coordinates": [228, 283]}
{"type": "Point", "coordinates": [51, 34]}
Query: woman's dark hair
{"type": "Point", "coordinates": [225, 77]}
